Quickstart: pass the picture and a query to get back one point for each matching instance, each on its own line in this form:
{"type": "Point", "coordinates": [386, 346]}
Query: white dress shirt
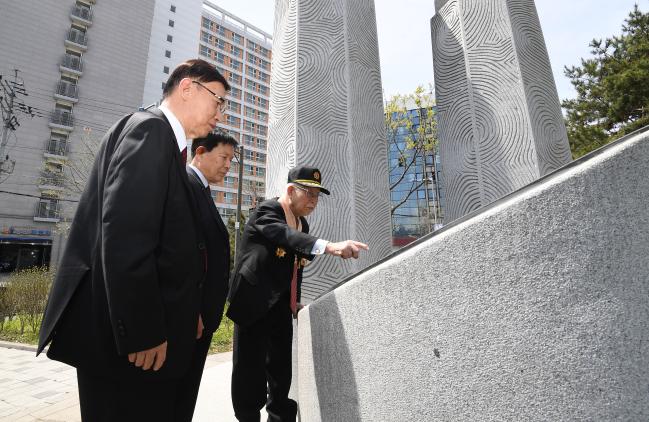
{"type": "Point", "coordinates": [176, 126]}
{"type": "Point", "coordinates": [200, 175]}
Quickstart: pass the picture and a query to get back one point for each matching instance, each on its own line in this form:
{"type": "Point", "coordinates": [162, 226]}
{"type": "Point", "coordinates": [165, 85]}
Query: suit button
{"type": "Point", "coordinates": [201, 246]}
{"type": "Point", "coordinates": [200, 285]}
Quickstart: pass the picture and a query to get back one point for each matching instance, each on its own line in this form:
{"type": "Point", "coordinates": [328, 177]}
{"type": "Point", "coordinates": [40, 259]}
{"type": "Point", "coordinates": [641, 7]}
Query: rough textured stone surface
{"type": "Point", "coordinates": [326, 110]}
{"type": "Point", "coordinates": [535, 308]}
{"type": "Point", "coordinates": [499, 119]}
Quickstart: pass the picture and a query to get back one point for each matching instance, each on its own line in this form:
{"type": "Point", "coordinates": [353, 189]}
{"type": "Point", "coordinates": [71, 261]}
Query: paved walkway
{"type": "Point", "coordinates": [38, 389]}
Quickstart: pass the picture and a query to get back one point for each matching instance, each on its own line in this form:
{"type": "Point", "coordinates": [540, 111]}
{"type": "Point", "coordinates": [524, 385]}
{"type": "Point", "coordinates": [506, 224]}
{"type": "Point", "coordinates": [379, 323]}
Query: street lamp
{"type": "Point", "coordinates": [237, 233]}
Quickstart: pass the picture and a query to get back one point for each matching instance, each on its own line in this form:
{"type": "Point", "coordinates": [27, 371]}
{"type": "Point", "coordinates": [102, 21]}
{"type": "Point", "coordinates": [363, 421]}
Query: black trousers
{"type": "Point", "coordinates": [107, 399]}
{"type": "Point", "coordinates": [261, 367]}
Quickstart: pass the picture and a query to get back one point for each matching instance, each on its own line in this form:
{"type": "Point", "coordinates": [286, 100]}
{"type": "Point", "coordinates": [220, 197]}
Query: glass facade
{"type": "Point", "coordinates": [417, 195]}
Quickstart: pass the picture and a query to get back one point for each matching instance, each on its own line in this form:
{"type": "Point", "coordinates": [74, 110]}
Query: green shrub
{"type": "Point", "coordinates": [26, 296]}
{"type": "Point", "coordinates": [5, 311]}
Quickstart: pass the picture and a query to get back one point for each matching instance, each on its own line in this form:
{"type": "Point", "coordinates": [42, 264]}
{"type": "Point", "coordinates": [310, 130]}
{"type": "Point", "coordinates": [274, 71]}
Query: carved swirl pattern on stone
{"type": "Point", "coordinates": [498, 128]}
{"type": "Point", "coordinates": [338, 125]}
{"type": "Point", "coordinates": [281, 122]}
{"type": "Point", "coordinates": [540, 89]}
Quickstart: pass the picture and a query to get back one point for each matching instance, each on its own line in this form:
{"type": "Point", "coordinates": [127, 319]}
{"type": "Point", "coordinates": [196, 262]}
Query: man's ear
{"type": "Point", "coordinates": [184, 87]}
{"type": "Point", "coordinates": [200, 150]}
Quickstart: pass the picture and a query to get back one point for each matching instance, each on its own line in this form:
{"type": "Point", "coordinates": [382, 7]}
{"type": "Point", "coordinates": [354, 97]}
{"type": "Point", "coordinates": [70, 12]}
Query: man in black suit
{"type": "Point", "coordinates": [211, 160]}
{"type": "Point", "coordinates": [265, 293]}
{"type": "Point", "coordinates": [124, 307]}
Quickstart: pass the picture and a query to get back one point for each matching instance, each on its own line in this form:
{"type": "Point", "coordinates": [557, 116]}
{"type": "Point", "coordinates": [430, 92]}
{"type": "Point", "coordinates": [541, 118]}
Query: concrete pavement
{"type": "Point", "coordinates": [38, 389]}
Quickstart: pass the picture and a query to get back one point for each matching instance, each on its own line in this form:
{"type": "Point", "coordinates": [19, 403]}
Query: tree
{"type": "Point", "coordinates": [77, 171]}
{"type": "Point", "coordinates": [411, 130]}
{"type": "Point", "coordinates": [612, 87]}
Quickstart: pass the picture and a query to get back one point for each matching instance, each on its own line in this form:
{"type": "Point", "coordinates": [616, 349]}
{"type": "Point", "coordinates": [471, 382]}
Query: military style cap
{"type": "Point", "coordinates": [307, 176]}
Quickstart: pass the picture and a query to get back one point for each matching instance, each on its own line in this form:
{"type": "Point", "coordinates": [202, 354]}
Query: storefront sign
{"type": "Point", "coordinates": [25, 231]}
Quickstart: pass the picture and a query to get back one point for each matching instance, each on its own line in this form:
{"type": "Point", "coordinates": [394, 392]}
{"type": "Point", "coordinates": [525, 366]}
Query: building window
{"type": "Point", "coordinates": [228, 182]}
{"type": "Point", "coordinates": [167, 53]}
{"type": "Point", "coordinates": [165, 70]}
{"type": "Point", "coordinates": [235, 93]}
{"type": "Point", "coordinates": [170, 38]}
{"type": "Point", "coordinates": [173, 8]}
{"type": "Point", "coordinates": [171, 23]}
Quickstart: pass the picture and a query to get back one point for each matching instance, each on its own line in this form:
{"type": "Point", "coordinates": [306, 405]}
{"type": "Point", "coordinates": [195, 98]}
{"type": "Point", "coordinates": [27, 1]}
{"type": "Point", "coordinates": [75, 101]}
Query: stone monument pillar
{"type": "Point", "coordinates": [499, 118]}
{"type": "Point", "coordinates": [326, 111]}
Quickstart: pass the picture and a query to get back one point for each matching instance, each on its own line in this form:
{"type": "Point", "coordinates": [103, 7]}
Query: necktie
{"type": "Point", "coordinates": [294, 289]}
{"type": "Point", "coordinates": [184, 155]}
{"type": "Point", "coordinates": [294, 223]}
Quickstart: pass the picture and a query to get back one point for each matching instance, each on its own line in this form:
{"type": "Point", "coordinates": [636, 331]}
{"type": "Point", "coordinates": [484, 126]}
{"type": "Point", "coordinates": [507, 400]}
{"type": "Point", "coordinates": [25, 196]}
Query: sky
{"type": "Point", "coordinates": [405, 44]}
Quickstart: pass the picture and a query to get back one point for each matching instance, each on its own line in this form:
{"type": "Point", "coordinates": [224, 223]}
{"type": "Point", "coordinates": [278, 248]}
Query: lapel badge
{"type": "Point", "coordinates": [280, 252]}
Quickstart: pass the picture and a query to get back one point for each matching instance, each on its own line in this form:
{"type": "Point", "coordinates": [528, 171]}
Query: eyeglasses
{"type": "Point", "coordinates": [309, 194]}
{"type": "Point", "coordinates": [222, 103]}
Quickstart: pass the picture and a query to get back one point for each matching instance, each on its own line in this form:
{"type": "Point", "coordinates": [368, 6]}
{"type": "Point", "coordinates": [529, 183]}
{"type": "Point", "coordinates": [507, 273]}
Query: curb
{"type": "Point", "coordinates": [215, 357]}
{"type": "Point", "coordinates": [19, 346]}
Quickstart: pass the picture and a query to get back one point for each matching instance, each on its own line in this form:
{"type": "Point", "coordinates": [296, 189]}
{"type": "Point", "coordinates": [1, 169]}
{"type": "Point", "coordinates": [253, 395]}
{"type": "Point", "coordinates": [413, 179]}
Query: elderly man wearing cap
{"type": "Point", "coordinates": [265, 293]}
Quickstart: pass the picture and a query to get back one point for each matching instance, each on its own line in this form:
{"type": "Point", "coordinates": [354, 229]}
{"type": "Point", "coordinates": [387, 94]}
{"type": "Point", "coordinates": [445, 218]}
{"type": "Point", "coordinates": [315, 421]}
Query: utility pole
{"type": "Point", "coordinates": [237, 233]}
{"type": "Point", "coordinates": [8, 100]}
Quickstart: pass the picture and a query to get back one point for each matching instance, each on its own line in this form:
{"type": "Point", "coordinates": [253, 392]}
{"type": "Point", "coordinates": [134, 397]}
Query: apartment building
{"type": "Point", "coordinates": [242, 53]}
{"type": "Point", "coordinates": [80, 65]}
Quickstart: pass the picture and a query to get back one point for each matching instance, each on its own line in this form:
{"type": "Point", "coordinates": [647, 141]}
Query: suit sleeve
{"type": "Point", "coordinates": [272, 226]}
{"type": "Point", "coordinates": [135, 191]}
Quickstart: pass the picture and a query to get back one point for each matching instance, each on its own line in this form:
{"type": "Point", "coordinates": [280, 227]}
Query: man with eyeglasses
{"type": "Point", "coordinates": [265, 295]}
{"type": "Point", "coordinates": [125, 307]}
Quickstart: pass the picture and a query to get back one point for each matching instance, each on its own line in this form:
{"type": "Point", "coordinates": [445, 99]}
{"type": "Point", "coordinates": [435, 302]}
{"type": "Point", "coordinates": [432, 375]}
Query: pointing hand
{"type": "Point", "coordinates": [346, 249]}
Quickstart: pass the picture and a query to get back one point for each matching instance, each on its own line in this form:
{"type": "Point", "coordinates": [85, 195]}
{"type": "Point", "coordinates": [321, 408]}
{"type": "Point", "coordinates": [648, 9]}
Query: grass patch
{"type": "Point", "coordinates": [11, 332]}
{"type": "Point", "coordinates": [22, 302]}
{"type": "Point", "coordinates": [222, 338]}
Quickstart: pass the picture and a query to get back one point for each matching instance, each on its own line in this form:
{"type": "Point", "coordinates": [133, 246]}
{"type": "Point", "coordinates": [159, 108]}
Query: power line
{"type": "Point", "coordinates": [99, 100]}
{"type": "Point", "coordinates": [90, 107]}
{"type": "Point", "coordinates": [36, 196]}
{"type": "Point", "coordinates": [48, 115]}
{"type": "Point", "coordinates": [11, 99]}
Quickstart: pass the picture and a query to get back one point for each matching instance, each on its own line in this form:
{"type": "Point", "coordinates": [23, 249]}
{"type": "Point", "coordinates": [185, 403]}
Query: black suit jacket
{"type": "Point", "coordinates": [132, 269]}
{"type": "Point", "coordinates": [217, 240]}
{"type": "Point", "coordinates": [264, 268]}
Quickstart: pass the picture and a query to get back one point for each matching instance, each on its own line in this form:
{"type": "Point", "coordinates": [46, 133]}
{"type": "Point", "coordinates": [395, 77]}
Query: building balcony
{"type": "Point", "coordinates": [76, 40]}
{"type": "Point", "coordinates": [51, 182]}
{"type": "Point", "coordinates": [67, 91]}
{"type": "Point", "coordinates": [264, 55]}
{"type": "Point", "coordinates": [56, 149]}
{"type": "Point", "coordinates": [62, 119]}
{"type": "Point", "coordinates": [257, 119]}
{"type": "Point", "coordinates": [48, 210]}
{"type": "Point", "coordinates": [81, 15]}
{"type": "Point", "coordinates": [260, 66]}
{"type": "Point", "coordinates": [72, 64]}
